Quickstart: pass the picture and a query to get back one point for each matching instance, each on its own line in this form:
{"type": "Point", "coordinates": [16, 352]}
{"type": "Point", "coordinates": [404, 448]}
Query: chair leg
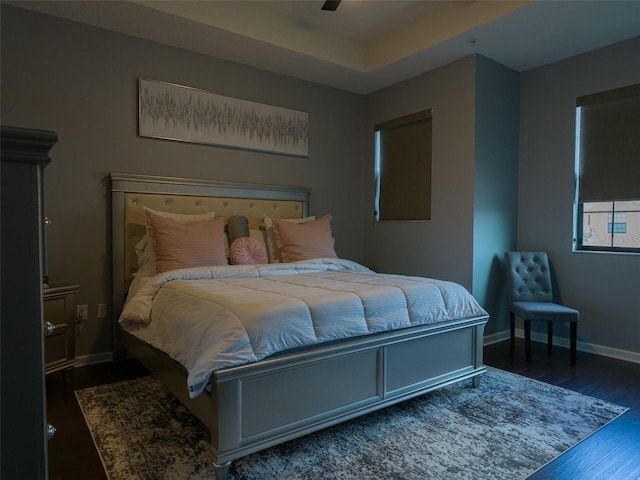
{"type": "Point", "coordinates": [549, 336]}
{"type": "Point", "coordinates": [527, 340]}
{"type": "Point", "coordinates": [513, 329]}
{"type": "Point", "coordinates": [574, 341]}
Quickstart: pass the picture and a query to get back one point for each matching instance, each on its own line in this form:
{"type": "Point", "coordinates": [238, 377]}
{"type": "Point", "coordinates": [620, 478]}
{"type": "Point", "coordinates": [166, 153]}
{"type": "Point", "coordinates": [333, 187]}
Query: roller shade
{"type": "Point", "coordinates": [405, 168]}
{"type": "Point", "coordinates": [609, 145]}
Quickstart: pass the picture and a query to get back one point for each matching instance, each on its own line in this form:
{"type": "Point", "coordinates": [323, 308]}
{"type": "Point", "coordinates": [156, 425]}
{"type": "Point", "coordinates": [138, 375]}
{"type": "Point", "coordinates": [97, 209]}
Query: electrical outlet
{"type": "Point", "coordinates": [102, 310]}
{"type": "Point", "coordinates": [82, 312]}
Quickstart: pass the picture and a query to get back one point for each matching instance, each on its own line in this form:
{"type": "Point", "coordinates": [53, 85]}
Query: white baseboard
{"type": "Point", "coordinates": [496, 337]}
{"type": "Point", "coordinates": [564, 342]}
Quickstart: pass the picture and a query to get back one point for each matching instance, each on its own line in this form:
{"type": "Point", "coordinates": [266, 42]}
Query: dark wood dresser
{"type": "Point", "coordinates": [24, 428]}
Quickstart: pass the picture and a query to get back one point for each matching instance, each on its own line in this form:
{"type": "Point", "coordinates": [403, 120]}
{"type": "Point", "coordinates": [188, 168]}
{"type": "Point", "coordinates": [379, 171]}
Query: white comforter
{"type": "Point", "coordinates": [215, 317]}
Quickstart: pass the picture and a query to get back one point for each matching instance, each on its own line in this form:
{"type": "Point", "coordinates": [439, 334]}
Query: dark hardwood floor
{"type": "Point", "coordinates": [72, 455]}
{"type": "Point", "coordinates": [613, 453]}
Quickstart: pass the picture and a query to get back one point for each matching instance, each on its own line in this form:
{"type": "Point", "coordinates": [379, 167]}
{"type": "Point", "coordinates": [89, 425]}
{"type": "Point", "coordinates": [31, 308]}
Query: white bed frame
{"type": "Point", "coordinates": [255, 406]}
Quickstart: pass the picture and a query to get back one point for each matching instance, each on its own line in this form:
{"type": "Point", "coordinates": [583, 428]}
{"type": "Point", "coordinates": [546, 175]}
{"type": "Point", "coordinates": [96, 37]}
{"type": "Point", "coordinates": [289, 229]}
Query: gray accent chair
{"type": "Point", "coordinates": [531, 299]}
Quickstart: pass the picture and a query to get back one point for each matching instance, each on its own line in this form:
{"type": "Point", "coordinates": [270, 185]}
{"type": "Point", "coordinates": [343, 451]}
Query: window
{"type": "Point", "coordinates": [607, 205]}
{"type": "Point", "coordinates": [611, 225]}
{"type": "Point", "coordinates": [403, 168]}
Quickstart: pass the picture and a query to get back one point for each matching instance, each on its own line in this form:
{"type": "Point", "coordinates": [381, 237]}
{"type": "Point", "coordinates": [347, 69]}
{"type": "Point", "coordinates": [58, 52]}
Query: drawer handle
{"type": "Point", "coordinates": [49, 328]}
{"type": "Point", "coordinates": [51, 431]}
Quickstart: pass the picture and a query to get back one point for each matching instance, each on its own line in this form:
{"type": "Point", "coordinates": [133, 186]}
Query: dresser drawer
{"type": "Point", "coordinates": [56, 349]}
{"type": "Point", "coordinates": [58, 307]}
{"type": "Point", "coordinates": [55, 310]}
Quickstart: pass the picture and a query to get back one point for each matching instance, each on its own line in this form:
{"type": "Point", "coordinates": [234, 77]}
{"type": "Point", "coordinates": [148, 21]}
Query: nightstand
{"type": "Point", "coordinates": [59, 316]}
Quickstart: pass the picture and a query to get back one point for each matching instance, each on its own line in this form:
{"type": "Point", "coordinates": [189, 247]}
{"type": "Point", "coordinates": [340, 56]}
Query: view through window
{"type": "Point", "coordinates": [611, 224]}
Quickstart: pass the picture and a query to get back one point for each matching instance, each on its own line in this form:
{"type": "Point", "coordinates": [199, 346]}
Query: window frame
{"type": "Point", "coordinates": [601, 248]}
{"type": "Point", "coordinates": [596, 100]}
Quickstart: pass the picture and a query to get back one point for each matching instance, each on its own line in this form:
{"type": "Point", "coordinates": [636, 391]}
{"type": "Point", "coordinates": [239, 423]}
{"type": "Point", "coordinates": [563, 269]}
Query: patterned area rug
{"type": "Point", "coordinates": [506, 429]}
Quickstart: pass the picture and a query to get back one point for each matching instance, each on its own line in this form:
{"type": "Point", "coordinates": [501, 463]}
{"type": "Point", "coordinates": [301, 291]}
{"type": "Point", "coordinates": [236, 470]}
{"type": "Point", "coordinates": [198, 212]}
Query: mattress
{"type": "Point", "coordinates": [208, 318]}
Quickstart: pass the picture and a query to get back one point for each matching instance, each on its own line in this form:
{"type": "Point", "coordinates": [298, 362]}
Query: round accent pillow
{"type": "Point", "coordinates": [247, 251]}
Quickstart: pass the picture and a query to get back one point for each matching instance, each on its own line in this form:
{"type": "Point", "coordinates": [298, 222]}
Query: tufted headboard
{"type": "Point", "coordinates": [131, 193]}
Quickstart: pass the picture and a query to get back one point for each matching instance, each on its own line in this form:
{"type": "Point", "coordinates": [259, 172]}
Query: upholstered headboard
{"type": "Point", "coordinates": [131, 193]}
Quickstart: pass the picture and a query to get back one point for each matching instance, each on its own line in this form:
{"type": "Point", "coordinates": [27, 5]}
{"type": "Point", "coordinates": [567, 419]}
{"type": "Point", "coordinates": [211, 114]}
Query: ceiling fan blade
{"type": "Point", "coordinates": [331, 5]}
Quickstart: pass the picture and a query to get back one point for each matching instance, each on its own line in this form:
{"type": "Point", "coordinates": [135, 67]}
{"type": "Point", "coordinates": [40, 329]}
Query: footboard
{"type": "Point", "coordinates": [260, 405]}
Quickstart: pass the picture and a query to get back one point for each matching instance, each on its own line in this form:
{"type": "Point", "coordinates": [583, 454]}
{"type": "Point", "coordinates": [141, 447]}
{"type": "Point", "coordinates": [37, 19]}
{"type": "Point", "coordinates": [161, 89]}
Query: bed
{"type": "Point", "coordinates": [323, 371]}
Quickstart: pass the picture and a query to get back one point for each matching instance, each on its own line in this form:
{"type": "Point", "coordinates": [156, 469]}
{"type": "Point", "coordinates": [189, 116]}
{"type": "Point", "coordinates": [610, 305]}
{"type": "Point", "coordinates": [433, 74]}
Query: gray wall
{"type": "Point", "coordinates": [474, 176]}
{"type": "Point", "coordinates": [497, 110]}
{"type": "Point", "coordinates": [441, 247]}
{"type": "Point", "coordinates": [81, 82]}
{"type": "Point", "coordinates": [604, 287]}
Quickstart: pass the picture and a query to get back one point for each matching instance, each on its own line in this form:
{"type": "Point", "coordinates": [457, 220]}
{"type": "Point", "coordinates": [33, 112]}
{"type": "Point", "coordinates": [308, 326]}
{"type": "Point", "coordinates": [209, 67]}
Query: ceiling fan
{"type": "Point", "coordinates": [331, 5]}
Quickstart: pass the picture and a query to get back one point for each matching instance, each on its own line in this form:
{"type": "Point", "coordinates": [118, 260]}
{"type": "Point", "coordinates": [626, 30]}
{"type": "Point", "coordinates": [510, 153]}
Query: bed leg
{"type": "Point", "coordinates": [222, 471]}
{"type": "Point", "coordinates": [476, 381]}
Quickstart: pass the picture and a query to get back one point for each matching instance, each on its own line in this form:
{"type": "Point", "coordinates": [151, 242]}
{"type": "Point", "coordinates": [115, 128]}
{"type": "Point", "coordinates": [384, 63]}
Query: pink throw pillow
{"type": "Point", "coordinates": [272, 244]}
{"type": "Point", "coordinates": [247, 251]}
{"type": "Point", "coordinates": [304, 241]}
{"type": "Point", "coordinates": [184, 245]}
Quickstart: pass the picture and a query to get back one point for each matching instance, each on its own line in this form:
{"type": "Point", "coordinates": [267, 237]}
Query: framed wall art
{"type": "Point", "coordinates": [175, 112]}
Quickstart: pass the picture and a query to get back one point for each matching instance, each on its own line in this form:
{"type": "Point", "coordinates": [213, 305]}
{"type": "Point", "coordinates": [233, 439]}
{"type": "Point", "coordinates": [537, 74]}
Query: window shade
{"type": "Point", "coordinates": [609, 148]}
{"type": "Point", "coordinates": [405, 168]}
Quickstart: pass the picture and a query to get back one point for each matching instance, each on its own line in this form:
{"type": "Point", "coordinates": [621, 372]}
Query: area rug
{"type": "Point", "coordinates": [506, 429]}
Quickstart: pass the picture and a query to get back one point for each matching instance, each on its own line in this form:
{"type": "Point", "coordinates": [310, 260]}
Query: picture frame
{"type": "Point", "coordinates": [175, 112]}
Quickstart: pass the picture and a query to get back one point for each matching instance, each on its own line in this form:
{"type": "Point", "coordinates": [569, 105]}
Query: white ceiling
{"type": "Point", "coordinates": [364, 45]}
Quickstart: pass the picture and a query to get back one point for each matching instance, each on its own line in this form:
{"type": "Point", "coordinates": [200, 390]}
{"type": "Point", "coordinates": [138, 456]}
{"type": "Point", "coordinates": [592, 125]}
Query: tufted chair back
{"type": "Point", "coordinates": [529, 277]}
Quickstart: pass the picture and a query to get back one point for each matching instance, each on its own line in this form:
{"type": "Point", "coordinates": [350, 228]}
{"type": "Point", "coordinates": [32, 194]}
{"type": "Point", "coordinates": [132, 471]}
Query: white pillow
{"type": "Point", "coordinates": [183, 217]}
{"type": "Point", "coordinates": [272, 244]}
{"type": "Point", "coordinates": [146, 257]}
{"type": "Point", "coordinates": [260, 235]}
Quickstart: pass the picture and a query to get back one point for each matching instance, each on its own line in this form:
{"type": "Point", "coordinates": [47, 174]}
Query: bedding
{"type": "Point", "coordinates": [237, 227]}
{"type": "Point", "coordinates": [272, 245]}
{"type": "Point", "coordinates": [181, 217]}
{"type": "Point", "coordinates": [145, 253]}
{"type": "Point", "coordinates": [304, 241]}
{"type": "Point", "coordinates": [247, 251]}
{"type": "Point", "coordinates": [208, 318]}
{"type": "Point", "coordinates": [185, 244]}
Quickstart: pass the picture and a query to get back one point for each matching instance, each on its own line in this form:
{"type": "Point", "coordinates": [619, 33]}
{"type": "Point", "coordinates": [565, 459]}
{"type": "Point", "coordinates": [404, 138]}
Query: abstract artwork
{"type": "Point", "coordinates": [175, 112]}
